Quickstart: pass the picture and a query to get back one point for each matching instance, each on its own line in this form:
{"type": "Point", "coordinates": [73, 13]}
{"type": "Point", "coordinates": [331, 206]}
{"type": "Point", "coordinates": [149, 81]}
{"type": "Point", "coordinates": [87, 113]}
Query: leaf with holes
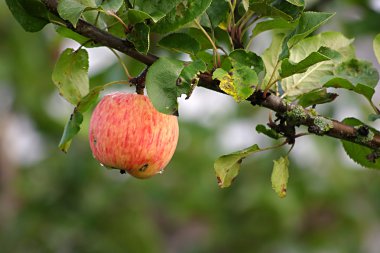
{"type": "Point", "coordinates": [227, 167]}
{"type": "Point", "coordinates": [161, 84]}
{"type": "Point", "coordinates": [362, 155]}
{"type": "Point", "coordinates": [280, 176]}
{"type": "Point", "coordinates": [70, 75]}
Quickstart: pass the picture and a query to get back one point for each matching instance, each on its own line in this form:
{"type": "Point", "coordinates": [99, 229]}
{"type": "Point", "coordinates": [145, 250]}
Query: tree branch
{"type": "Point", "coordinates": [103, 37]}
{"type": "Point", "coordinates": [294, 114]}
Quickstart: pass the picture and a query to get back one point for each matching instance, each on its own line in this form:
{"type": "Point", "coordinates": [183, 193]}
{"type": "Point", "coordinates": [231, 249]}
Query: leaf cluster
{"type": "Point", "coordinates": [299, 65]}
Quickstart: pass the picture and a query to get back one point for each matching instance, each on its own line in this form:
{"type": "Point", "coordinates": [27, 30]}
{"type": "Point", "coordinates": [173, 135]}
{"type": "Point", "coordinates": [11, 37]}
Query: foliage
{"type": "Point", "coordinates": [297, 67]}
{"type": "Point", "coordinates": [69, 203]}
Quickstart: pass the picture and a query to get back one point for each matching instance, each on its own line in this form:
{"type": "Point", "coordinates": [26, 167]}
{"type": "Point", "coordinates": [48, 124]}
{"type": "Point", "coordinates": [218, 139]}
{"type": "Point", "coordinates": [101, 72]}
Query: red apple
{"type": "Point", "coordinates": [129, 134]}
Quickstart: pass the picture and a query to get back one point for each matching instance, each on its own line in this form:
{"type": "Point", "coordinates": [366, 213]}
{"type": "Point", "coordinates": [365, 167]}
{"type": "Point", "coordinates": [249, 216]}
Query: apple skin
{"type": "Point", "coordinates": [128, 133]}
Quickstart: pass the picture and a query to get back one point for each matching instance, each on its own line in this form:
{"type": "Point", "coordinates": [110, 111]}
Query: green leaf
{"type": "Point", "coordinates": [199, 36]}
{"type": "Point", "coordinates": [207, 58]}
{"type": "Point", "coordinates": [189, 77]}
{"type": "Point", "coordinates": [273, 8]}
{"type": "Point", "coordinates": [90, 99]}
{"type": "Point", "coordinates": [139, 36]}
{"type": "Point", "coordinates": [227, 166]}
{"type": "Point", "coordinates": [30, 14]}
{"type": "Point", "coordinates": [268, 132]}
{"type": "Point", "coordinates": [315, 97]}
{"type": "Point", "coordinates": [358, 76]}
{"type": "Point", "coordinates": [157, 9]}
{"type": "Point", "coordinates": [67, 33]}
{"type": "Point", "coordinates": [217, 12]}
{"type": "Point", "coordinates": [271, 57]}
{"type": "Point", "coordinates": [358, 153]}
{"type": "Point", "coordinates": [111, 5]}
{"type": "Point", "coordinates": [184, 12]}
{"type": "Point", "coordinates": [137, 16]}
{"type": "Point", "coordinates": [280, 176]}
{"type": "Point", "coordinates": [312, 79]}
{"type": "Point", "coordinates": [272, 24]}
{"type": "Point", "coordinates": [373, 117]}
{"type": "Point", "coordinates": [308, 23]}
{"type": "Point", "coordinates": [71, 129]}
{"type": "Point", "coordinates": [180, 42]}
{"type": "Point", "coordinates": [70, 75]}
{"type": "Point", "coordinates": [249, 59]}
{"type": "Point", "coordinates": [71, 10]}
{"type": "Point", "coordinates": [245, 79]}
{"type": "Point", "coordinates": [299, 3]}
{"type": "Point", "coordinates": [73, 125]}
{"type": "Point", "coordinates": [376, 47]}
{"type": "Point", "coordinates": [239, 82]}
{"type": "Point", "coordinates": [161, 84]}
{"type": "Point", "coordinates": [289, 68]}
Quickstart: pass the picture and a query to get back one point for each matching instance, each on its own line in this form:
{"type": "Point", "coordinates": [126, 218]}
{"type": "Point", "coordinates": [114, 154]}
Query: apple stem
{"type": "Point", "coordinates": [139, 82]}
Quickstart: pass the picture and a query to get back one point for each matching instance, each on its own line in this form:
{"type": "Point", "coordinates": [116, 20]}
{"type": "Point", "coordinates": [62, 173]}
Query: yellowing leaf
{"type": "Point", "coordinates": [227, 166]}
{"type": "Point", "coordinates": [280, 175]}
{"type": "Point", "coordinates": [227, 85]}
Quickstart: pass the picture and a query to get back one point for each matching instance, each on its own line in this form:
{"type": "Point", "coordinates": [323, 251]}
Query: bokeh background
{"type": "Point", "coordinates": [56, 202]}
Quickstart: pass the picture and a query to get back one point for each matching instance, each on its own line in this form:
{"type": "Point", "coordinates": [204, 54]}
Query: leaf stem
{"type": "Point", "coordinates": [271, 82]}
{"type": "Point", "coordinates": [215, 49]}
{"type": "Point", "coordinates": [121, 62]}
{"type": "Point", "coordinates": [377, 111]}
{"type": "Point", "coordinates": [111, 13]}
{"type": "Point", "coordinates": [116, 82]}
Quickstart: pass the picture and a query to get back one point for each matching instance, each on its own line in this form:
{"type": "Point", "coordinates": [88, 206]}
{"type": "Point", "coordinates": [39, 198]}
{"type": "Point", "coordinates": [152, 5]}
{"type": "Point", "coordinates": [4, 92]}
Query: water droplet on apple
{"type": "Point", "coordinates": [101, 164]}
{"type": "Point", "coordinates": [161, 171]}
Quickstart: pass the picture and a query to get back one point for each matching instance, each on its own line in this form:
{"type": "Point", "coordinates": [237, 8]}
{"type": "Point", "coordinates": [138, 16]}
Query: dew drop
{"type": "Point", "coordinates": [160, 171]}
{"type": "Point", "coordinates": [101, 164]}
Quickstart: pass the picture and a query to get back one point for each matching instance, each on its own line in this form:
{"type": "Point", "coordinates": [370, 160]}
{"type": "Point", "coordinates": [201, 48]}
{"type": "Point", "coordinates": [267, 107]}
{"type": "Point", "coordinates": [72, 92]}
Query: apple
{"type": "Point", "coordinates": [128, 133]}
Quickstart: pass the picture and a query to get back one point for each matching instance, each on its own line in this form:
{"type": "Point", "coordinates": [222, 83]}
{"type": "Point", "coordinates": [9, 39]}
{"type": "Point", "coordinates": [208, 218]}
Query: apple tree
{"type": "Point", "coordinates": [299, 70]}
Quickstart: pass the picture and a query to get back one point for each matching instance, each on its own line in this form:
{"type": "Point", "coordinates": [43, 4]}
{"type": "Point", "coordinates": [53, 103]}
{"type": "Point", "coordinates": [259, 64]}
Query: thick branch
{"type": "Point", "coordinates": [297, 114]}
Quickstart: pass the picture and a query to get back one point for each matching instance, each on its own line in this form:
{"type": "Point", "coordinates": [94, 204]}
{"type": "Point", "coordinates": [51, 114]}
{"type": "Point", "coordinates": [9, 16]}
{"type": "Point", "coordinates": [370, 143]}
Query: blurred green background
{"type": "Point", "coordinates": [55, 202]}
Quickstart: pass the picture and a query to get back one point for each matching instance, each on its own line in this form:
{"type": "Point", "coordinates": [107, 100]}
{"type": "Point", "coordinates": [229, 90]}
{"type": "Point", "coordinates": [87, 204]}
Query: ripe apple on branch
{"type": "Point", "coordinates": [128, 133]}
